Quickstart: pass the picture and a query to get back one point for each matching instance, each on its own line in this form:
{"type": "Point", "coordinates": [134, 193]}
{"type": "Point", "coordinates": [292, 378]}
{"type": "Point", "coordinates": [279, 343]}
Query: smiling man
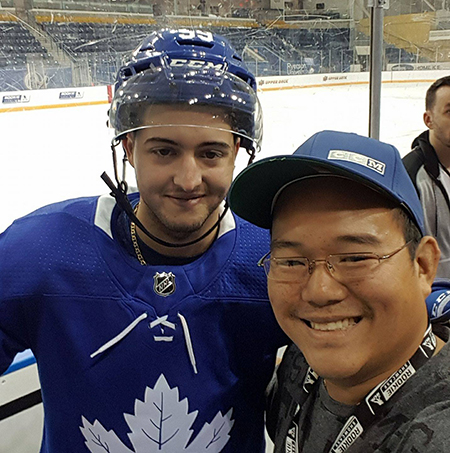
{"type": "Point", "coordinates": [183, 172]}
{"type": "Point", "coordinates": [348, 274]}
{"type": "Point", "coordinates": [144, 309]}
{"type": "Point", "coordinates": [428, 164]}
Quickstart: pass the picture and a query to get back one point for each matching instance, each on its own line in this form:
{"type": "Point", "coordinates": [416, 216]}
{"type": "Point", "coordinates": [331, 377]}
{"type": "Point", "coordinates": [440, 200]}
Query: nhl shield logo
{"type": "Point", "coordinates": [164, 283]}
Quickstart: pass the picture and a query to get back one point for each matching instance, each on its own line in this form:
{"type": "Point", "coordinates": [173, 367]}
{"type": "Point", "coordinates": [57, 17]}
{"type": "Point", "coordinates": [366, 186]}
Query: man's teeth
{"type": "Point", "coordinates": [338, 325]}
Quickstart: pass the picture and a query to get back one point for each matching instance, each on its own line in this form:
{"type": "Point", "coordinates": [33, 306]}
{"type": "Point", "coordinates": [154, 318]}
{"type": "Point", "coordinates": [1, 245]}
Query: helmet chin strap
{"type": "Point", "coordinates": [252, 154]}
{"type": "Point", "coordinates": [119, 192]}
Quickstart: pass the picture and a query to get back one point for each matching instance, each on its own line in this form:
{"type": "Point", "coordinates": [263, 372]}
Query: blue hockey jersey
{"type": "Point", "coordinates": [136, 358]}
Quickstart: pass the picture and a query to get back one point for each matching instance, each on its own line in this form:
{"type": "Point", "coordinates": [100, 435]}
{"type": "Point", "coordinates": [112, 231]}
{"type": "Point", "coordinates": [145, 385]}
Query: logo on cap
{"type": "Point", "coordinates": [356, 158]}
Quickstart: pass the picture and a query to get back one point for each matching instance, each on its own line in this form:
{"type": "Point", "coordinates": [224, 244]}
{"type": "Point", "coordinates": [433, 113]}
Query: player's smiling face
{"type": "Point", "coordinates": [183, 173]}
{"type": "Point", "coordinates": [349, 333]}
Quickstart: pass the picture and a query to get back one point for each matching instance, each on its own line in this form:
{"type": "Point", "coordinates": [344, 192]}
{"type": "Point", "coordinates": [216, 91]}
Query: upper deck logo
{"type": "Point", "coordinates": [15, 98]}
{"type": "Point", "coordinates": [310, 379]}
{"type": "Point", "coordinates": [72, 94]}
{"type": "Point", "coordinates": [377, 399]}
{"type": "Point", "coordinates": [164, 283]}
{"type": "Point", "coordinates": [291, 439]}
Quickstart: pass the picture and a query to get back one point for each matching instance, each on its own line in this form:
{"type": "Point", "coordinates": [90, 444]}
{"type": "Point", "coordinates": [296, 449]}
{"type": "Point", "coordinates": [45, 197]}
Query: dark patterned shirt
{"type": "Point", "coordinates": [418, 420]}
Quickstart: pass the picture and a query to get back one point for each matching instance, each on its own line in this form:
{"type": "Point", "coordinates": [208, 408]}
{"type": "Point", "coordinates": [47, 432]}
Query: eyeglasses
{"type": "Point", "coordinates": [344, 267]}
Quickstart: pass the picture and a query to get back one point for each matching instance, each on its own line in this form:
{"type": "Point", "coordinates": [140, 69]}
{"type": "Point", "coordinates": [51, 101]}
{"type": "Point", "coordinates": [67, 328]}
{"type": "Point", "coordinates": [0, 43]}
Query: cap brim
{"type": "Point", "coordinates": [253, 200]}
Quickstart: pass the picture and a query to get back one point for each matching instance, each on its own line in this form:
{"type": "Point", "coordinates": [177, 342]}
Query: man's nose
{"type": "Point", "coordinates": [189, 174]}
{"type": "Point", "coordinates": [322, 288]}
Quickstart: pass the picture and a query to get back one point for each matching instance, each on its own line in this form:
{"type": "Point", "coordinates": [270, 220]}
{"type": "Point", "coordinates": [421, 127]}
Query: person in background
{"type": "Point", "coordinates": [428, 164]}
{"type": "Point", "coordinates": [348, 272]}
{"type": "Point", "coordinates": [146, 312]}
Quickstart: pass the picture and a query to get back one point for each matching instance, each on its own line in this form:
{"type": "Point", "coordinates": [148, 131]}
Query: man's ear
{"type": "Point", "coordinates": [428, 120]}
{"type": "Point", "coordinates": [128, 145]}
{"type": "Point", "coordinates": [237, 145]}
{"type": "Point", "coordinates": [427, 259]}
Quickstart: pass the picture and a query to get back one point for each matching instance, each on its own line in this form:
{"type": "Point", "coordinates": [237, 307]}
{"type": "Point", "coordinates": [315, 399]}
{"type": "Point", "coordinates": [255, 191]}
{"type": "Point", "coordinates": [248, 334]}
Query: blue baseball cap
{"type": "Point", "coordinates": [365, 160]}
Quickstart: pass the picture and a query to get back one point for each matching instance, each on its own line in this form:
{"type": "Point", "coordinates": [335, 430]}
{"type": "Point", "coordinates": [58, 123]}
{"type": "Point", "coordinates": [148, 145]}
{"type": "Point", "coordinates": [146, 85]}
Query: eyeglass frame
{"type": "Point", "coordinates": [329, 266]}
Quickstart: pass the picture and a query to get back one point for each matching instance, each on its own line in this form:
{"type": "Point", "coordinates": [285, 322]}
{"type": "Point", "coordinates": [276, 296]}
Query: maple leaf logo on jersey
{"type": "Point", "coordinates": [161, 423]}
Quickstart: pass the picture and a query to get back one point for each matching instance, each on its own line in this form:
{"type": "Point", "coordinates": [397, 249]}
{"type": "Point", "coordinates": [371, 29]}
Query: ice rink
{"type": "Point", "coordinates": [54, 154]}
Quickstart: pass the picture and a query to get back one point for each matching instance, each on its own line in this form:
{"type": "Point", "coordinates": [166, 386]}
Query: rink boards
{"type": "Point", "coordinates": [21, 410]}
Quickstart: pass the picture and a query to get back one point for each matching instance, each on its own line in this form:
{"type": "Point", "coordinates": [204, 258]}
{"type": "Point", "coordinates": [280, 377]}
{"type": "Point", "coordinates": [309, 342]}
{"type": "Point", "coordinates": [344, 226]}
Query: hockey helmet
{"type": "Point", "coordinates": [187, 68]}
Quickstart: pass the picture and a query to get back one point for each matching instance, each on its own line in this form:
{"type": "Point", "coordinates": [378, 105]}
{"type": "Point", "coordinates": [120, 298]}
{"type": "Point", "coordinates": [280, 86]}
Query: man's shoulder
{"type": "Point", "coordinates": [283, 393]}
{"type": "Point", "coordinates": [427, 431]}
{"type": "Point", "coordinates": [245, 224]}
{"type": "Point", "coordinates": [73, 207]}
{"type": "Point", "coordinates": [437, 370]}
{"type": "Point", "coordinates": [433, 420]}
{"type": "Point", "coordinates": [251, 240]}
{"type": "Point", "coordinates": [415, 159]}
{"type": "Point", "coordinates": [49, 221]}
{"type": "Point", "coordinates": [425, 409]}
{"type": "Point", "coordinates": [418, 419]}
{"type": "Point", "coordinates": [290, 374]}
{"type": "Point", "coordinates": [422, 155]}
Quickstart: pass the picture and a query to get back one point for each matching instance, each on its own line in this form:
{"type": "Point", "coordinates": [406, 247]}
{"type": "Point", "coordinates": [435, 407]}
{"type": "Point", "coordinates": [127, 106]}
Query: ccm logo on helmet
{"type": "Point", "coordinates": [195, 64]}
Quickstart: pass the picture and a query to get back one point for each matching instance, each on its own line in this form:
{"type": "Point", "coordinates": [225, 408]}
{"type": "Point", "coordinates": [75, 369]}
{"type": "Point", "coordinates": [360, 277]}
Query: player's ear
{"type": "Point", "coordinates": [427, 120]}
{"type": "Point", "coordinates": [128, 146]}
{"type": "Point", "coordinates": [237, 144]}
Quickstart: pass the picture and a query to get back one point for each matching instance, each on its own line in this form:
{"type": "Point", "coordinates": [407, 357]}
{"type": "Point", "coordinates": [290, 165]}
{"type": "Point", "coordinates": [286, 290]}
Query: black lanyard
{"type": "Point", "coordinates": [370, 408]}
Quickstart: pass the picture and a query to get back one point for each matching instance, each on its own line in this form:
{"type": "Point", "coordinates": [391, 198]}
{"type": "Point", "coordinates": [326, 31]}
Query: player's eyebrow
{"type": "Point", "coordinates": [168, 141]}
{"type": "Point", "coordinates": [161, 139]}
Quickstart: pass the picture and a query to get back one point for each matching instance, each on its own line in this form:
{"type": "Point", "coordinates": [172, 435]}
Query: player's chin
{"type": "Point", "coordinates": [186, 227]}
{"type": "Point", "coordinates": [192, 220]}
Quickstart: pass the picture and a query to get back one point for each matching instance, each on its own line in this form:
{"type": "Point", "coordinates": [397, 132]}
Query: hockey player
{"type": "Point", "coordinates": [146, 312]}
